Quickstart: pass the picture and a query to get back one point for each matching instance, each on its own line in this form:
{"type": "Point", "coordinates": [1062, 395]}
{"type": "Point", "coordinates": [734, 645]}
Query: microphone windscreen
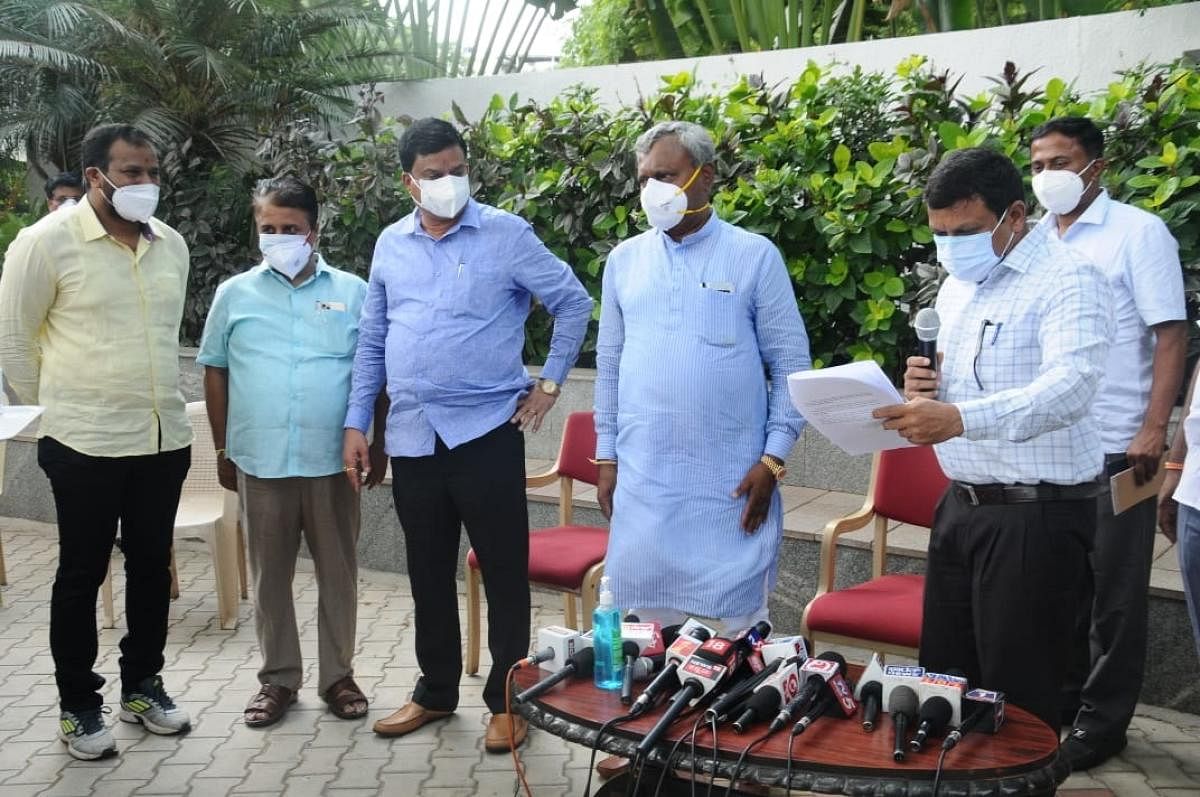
{"type": "Point", "coordinates": [700, 633]}
{"type": "Point", "coordinates": [872, 689]}
{"type": "Point", "coordinates": [631, 618]}
{"type": "Point", "coordinates": [937, 712]}
{"type": "Point", "coordinates": [585, 662]}
{"type": "Point", "coordinates": [670, 634]}
{"type": "Point", "coordinates": [629, 648]}
{"type": "Point", "coordinates": [926, 324]}
{"type": "Point", "coordinates": [903, 700]}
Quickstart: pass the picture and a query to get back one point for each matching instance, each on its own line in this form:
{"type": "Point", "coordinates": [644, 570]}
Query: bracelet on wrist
{"type": "Point", "coordinates": [602, 461]}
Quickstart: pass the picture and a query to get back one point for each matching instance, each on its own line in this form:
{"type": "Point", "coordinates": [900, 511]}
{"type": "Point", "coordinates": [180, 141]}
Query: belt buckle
{"type": "Point", "coordinates": [972, 497]}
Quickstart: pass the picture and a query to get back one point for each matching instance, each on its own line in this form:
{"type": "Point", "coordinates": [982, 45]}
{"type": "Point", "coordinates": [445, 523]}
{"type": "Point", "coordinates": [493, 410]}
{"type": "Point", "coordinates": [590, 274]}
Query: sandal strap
{"type": "Point", "coordinates": [271, 698]}
{"type": "Point", "coordinates": [343, 692]}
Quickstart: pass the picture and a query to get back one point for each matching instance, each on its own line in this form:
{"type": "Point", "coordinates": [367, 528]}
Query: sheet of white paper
{"type": "Point", "coordinates": [838, 402]}
{"type": "Point", "coordinates": [14, 419]}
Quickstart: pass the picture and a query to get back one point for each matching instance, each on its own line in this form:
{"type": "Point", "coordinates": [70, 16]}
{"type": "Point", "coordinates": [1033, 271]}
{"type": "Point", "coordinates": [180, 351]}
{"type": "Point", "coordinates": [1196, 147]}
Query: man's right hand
{"type": "Point", "coordinates": [920, 379]}
{"type": "Point", "coordinates": [226, 473]}
{"type": "Point", "coordinates": [606, 484]}
{"type": "Point", "coordinates": [356, 457]}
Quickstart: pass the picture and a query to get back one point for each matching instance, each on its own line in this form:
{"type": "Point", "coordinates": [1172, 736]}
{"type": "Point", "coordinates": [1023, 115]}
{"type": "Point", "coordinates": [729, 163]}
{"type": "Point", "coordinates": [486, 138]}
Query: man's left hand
{"type": "Point", "coordinates": [1144, 453]}
{"type": "Point", "coordinates": [379, 463]}
{"type": "Point", "coordinates": [532, 409]}
{"type": "Point", "coordinates": [758, 485]}
{"type": "Point", "coordinates": [922, 421]}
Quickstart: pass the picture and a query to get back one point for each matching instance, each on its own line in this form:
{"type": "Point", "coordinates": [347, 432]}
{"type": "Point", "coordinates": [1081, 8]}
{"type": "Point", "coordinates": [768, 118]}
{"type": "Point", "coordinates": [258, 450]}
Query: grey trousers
{"type": "Point", "coordinates": [1110, 658]}
{"type": "Point", "coordinates": [275, 513]}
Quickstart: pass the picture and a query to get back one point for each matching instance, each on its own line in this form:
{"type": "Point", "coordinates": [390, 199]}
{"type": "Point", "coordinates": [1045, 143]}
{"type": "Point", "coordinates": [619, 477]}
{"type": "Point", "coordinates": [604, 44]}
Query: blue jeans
{"type": "Point", "coordinates": [1189, 563]}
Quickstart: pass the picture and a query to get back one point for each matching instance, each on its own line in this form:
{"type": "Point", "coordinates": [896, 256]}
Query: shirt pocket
{"type": "Point", "coordinates": [718, 315]}
{"type": "Point", "coordinates": [334, 330]}
{"type": "Point", "coordinates": [477, 291]}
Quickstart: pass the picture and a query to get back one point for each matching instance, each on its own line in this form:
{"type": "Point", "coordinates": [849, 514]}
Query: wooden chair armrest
{"type": "Point", "coordinates": [541, 479]}
{"type": "Point", "coordinates": [833, 529]}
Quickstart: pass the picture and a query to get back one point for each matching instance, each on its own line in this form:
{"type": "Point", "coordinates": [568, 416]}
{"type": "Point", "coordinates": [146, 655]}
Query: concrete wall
{"type": "Point", "coordinates": [1089, 49]}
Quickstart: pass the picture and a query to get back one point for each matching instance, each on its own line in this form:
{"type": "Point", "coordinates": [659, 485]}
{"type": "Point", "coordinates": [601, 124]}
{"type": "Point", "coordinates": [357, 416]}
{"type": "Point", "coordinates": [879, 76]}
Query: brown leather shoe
{"type": "Point", "coordinates": [407, 719]}
{"type": "Point", "coordinates": [496, 739]}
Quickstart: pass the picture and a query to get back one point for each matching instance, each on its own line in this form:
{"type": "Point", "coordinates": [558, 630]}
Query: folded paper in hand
{"type": "Point", "coordinates": [838, 402]}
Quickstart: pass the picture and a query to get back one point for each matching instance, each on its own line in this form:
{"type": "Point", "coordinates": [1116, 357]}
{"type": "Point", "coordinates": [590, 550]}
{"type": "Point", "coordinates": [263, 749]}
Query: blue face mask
{"type": "Point", "coordinates": [970, 257]}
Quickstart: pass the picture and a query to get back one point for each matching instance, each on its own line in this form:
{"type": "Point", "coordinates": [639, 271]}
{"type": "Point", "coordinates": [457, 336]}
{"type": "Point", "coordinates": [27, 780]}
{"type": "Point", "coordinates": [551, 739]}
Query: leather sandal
{"type": "Point", "coordinates": [268, 706]}
{"type": "Point", "coordinates": [341, 697]}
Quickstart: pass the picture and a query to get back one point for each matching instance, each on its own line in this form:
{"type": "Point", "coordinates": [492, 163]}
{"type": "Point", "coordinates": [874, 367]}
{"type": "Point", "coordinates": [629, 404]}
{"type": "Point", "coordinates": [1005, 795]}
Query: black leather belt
{"type": "Point", "coordinates": [980, 494]}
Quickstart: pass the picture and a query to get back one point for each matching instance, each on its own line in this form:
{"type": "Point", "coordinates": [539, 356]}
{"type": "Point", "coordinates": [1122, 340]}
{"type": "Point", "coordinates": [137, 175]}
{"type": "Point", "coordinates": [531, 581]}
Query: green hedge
{"type": "Point", "coordinates": [829, 166]}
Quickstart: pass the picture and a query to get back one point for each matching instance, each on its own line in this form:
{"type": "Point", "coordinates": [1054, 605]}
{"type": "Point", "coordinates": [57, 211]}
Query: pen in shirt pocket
{"type": "Point", "coordinates": [723, 287]}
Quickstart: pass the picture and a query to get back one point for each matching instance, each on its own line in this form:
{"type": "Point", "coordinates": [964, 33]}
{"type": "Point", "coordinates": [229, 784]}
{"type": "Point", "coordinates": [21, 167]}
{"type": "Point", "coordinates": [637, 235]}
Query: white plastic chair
{"type": "Point", "coordinates": [211, 510]}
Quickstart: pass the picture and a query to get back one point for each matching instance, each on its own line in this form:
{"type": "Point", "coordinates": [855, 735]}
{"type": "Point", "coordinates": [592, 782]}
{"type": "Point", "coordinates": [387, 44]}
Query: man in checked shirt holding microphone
{"type": "Point", "coordinates": [1025, 325]}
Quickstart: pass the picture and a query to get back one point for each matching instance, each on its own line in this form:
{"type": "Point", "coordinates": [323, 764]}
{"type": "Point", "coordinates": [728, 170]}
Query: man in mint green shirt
{"type": "Point", "coordinates": [278, 350]}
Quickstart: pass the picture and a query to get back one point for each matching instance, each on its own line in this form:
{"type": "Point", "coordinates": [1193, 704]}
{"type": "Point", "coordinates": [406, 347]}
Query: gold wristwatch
{"type": "Point", "coordinates": [773, 465]}
{"type": "Point", "coordinates": [549, 387]}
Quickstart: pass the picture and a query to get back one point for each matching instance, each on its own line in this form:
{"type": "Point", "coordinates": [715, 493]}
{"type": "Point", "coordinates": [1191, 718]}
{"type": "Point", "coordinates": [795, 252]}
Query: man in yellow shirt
{"type": "Point", "coordinates": [90, 304]}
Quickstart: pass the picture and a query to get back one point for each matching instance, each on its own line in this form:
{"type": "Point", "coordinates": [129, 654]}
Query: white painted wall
{"type": "Point", "coordinates": [1089, 49]}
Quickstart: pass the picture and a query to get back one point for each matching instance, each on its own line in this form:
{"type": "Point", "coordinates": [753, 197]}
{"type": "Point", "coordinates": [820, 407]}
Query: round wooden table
{"type": "Point", "coordinates": [834, 756]}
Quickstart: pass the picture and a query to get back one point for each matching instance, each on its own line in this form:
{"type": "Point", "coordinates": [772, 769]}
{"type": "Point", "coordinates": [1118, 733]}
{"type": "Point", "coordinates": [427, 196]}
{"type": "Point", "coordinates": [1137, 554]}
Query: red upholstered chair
{"type": "Point", "coordinates": [566, 558]}
{"type": "Point", "coordinates": [884, 613]}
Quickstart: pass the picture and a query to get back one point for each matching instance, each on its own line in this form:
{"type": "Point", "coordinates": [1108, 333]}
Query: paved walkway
{"type": "Point", "coordinates": [212, 673]}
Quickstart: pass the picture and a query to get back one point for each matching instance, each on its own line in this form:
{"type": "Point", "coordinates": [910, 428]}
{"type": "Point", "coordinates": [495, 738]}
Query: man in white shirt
{"type": "Point", "coordinates": [1133, 406]}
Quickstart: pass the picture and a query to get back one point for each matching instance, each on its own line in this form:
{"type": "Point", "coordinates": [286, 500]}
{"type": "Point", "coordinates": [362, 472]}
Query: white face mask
{"type": "Point", "coordinates": [665, 204]}
{"type": "Point", "coordinates": [134, 202]}
{"type": "Point", "coordinates": [446, 196]}
{"type": "Point", "coordinates": [1060, 190]}
{"type": "Point", "coordinates": [287, 254]}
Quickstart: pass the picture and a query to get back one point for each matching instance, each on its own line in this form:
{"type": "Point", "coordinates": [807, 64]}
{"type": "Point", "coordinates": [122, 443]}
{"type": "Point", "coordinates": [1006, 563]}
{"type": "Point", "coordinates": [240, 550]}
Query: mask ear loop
{"type": "Point", "coordinates": [1007, 243]}
{"type": "Point", "coordinates": [1084, 169]}
{"type": "Point", "coordinates": [688, 185]}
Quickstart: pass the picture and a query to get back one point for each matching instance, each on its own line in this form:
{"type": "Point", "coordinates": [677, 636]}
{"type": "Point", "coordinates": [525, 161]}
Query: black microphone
{"type": "Point", "coordinates": [712, 658]}
{"type": "Point", "coordinates": [728, 701]}
{"type": "Point", "coordinates": [630, 649]}
{"type": "Point", "coordinates": [769, 696]}
{"type": "Point", "coordinates": [818, 709]}
{"type": "Point", "coordinates": [578, 666]}
{"type": "Point", "coordinates": [872, 696]}
{"type": "Point", "coordinates": [812, 684]}
{"type": "Point", "coordinates": [935, 715]}
{"type": "Point", "coordinates": [666, 677]}
{"type": "Point", "coordinates": [926, 324]}
{"type": "Point", "coordinates": [902, 705]}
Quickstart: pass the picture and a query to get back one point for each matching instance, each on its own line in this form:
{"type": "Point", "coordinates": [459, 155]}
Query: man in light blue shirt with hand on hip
{"type": "Point", "coordinates": [443, 327]}
{"type": "Point", "coordinates": [278, 350]}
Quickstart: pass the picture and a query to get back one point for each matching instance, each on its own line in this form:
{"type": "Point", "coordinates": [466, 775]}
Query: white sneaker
{"type": "Point", "coordinates": [151, 706]}
{"type": "Point", "coordinates": [85, 734]}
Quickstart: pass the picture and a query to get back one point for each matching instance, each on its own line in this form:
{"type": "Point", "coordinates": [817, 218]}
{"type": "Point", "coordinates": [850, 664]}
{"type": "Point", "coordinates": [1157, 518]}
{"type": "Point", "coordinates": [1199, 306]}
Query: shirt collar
{"type": "Point", "coordinates": [471, 217]}
{"type": "Point", "coordinates": [93, 228]}
{"type": "Point", "coordinates": [1096, 212]}
{"type": "Point", "coordinates": [705, 231]}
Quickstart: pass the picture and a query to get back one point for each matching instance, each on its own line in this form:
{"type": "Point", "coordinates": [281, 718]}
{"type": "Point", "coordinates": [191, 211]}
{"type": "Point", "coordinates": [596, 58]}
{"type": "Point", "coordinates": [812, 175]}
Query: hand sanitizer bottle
{"type": "Point", "coordinates": [606, 640]}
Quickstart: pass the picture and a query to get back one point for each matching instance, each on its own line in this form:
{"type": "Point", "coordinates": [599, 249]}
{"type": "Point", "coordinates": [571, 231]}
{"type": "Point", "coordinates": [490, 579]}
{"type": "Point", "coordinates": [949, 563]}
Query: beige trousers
{"type": "Point", "coordinates": [275, 513]}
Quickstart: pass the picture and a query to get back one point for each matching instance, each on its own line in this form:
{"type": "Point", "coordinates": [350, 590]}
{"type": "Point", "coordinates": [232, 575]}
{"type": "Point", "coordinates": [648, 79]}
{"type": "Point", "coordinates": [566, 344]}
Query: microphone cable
{"type": "Point", "coordinates": [737, 769]}
{"type": "Point", "coordinates": [671, 754]}
{"type": "Point", "coordinates": [612, 723]}
{"type": "Point", "coordinates": [512, 731]}
{"type": "Point", "coordinates": [937, 773]}
{"type": "Point", "coordinates": [787, 778]}
{"type": "Point", "coordinates": [708, 791]}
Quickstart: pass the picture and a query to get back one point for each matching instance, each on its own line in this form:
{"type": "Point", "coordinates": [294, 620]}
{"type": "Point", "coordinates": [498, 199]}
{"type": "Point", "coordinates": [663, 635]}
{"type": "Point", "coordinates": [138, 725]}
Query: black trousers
{"type": "Point", "coordinates": [1001, 593]}
{"type": "Point", "coordinates": [1109, 660]}
{"type": "Point", "coordinates": [480, 485]}
{"type": "Point", "coordinates": [91, 494]}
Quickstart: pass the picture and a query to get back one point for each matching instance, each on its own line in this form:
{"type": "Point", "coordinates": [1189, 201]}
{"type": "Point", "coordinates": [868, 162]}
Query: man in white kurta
{"type": "Point", "coordinates": [698, 319]}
